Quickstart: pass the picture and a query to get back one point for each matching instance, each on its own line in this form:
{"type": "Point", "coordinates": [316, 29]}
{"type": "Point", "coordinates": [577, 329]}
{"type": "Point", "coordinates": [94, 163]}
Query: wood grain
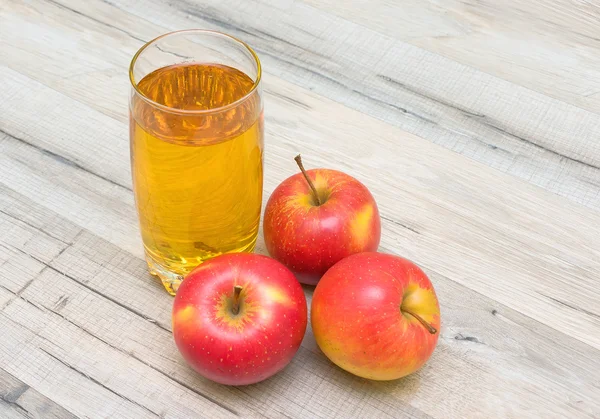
{"type": "Point", "coordinates": [503, 125]}
{"type": "Point", "coordinates": [550, 46]}
{"type": "Point", "coordinates": [18, 400]}
{"type": "Point", "coordinates": [86, 330]}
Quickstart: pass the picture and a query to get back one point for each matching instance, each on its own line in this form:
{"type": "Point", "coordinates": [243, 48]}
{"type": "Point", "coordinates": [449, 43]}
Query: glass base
{"type": "Point", "coordinates": [170, 280]}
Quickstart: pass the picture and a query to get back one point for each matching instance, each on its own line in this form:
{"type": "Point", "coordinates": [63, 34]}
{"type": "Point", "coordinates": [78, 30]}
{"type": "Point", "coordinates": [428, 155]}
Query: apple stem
{"type": "Point", "coordinates": [427, 326]}
{"type": "Point", "coordinates": [235, 308]}
{"type": "Point", "coordinates": [298, 159]}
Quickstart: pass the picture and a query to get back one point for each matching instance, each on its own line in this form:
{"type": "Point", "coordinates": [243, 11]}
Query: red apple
{"type": "Point", "coordinates": [376, 316]}
{"type": "Point", "coordinates": [318, 217]}
{"type": "Point", "coordinates": [239, 318]}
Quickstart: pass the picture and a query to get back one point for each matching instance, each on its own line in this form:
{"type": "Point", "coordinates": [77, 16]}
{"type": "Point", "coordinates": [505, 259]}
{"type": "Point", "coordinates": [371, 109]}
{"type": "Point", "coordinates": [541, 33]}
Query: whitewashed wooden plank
{"type": "Point", "coordinates": [11, 412]}
{"type": "Point", "coordinates": [544, 141]}
{"type": "Point", "coordinates": [28, 240]}
{"type": "Point", "coordinates": [90, 200]}
{"type": "Point", "coordinates": [35, 218]}
{"type": "Point", "coordinates": [18, 400]}
{"type": "Point", "coordinates": [74, 56]}
{"type": "Point", "coordinates": [105, 369]}
{"type": "Point", "coordinates": [65, 130]}
{"type": "Point", "coordinates": [19, 235]}
{"type": "Point", "coordinates": [31, 359]}
{"type": "Point", "coordinates": [10, 391]}
{"type": "Point", "coordinates": [550, 46]}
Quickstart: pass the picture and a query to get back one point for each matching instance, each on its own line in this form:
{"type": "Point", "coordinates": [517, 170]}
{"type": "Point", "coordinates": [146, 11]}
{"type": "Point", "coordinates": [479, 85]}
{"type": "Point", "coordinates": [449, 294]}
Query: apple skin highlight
{"type": "Point", "coordinates": [376, 315]}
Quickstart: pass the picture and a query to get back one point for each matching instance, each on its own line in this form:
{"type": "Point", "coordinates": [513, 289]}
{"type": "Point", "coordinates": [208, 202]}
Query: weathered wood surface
{"type": "Point", "coordinates": [507, 126]}
{"type": "Point", "coordinates": [496, 197]}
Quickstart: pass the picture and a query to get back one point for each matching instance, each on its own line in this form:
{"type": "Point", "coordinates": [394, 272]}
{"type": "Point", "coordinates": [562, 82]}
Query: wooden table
{"type": "Point", "coordinates": [475, 125]}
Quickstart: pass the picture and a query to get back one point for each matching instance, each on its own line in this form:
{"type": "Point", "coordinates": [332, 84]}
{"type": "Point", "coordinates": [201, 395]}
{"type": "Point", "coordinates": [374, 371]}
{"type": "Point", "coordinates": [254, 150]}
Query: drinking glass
{"type": "Point", "coordinates": [196, 137]}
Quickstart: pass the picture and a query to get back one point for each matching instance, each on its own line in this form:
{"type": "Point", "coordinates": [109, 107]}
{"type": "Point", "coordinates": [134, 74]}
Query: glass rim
{"type": "Point", "coordinates": [231, 105]}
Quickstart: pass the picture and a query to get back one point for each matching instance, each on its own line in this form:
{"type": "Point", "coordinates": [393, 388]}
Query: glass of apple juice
{"type": "Point", "coordinates": [196, 138]}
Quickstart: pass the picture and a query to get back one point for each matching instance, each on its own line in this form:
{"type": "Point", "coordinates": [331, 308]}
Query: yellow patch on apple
{"type": "Point", "coordinates": [277, 296]}
{"type": "Point", "coordinates": [361, 226]}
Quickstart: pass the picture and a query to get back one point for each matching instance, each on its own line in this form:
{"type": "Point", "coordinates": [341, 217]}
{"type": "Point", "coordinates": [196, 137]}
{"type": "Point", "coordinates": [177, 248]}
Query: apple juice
{"type": "Point", "coordinates": [196, 156]}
